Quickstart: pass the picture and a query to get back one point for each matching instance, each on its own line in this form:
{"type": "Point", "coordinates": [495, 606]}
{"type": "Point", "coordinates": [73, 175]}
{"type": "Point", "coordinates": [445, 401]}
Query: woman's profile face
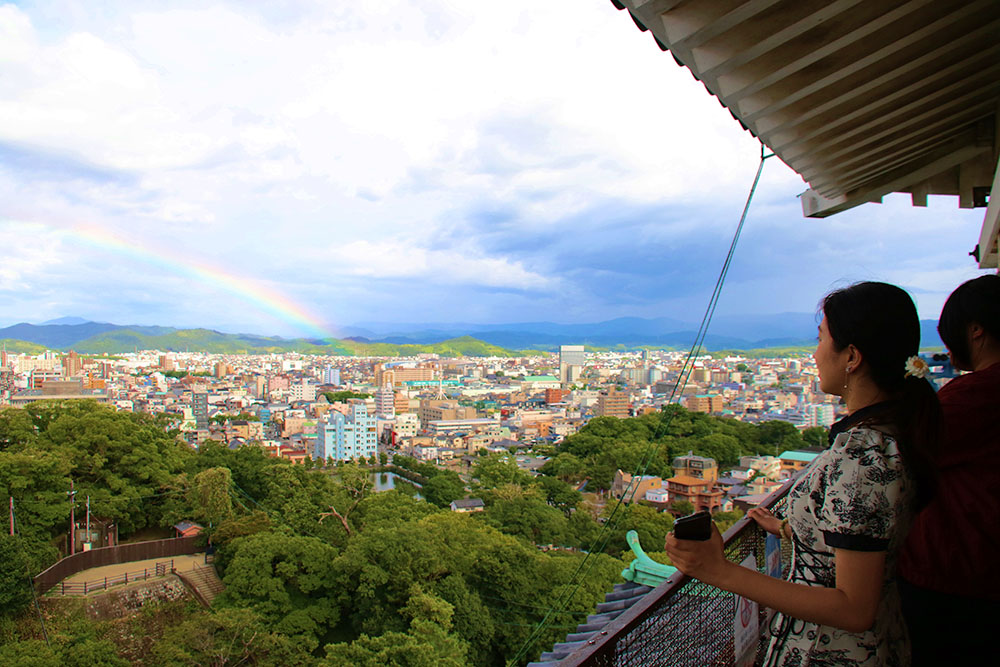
{"type": "Point", "coordinates": [830, 362]}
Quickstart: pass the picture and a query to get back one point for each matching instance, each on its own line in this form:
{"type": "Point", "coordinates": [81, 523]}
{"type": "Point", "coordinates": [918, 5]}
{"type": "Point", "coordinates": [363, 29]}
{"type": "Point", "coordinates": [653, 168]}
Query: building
{"type": "Point", "coordinates": [199, 409]}
{"type": "Point", "coordinates": [555, 396]}
{"type": "Point", "coordinates": [612, 403]}
{"type": "Point", "coordinates": [468, 505]}
{"type": "Point", "coordinates": [707, 403]}
{"type": "Point", "coordinates": [793, 461]}
{"type": "Point", "coordinates": [385, 402]}
{"type": "Point", "coordinates": [331, 376]}
{"type": "Point", "coordinates": [432, 410]}
{"type": "Point", "coordinates": [699, 467]}
{"type": "Point", "coordinates": [346, 437]}
{"type": "Point", "coordinates": [397, 375]}
{"type": "Point", "coordinates": [630, 487]}
{"type": "Point", "coordinates": [704, 495]}
{"type": "Point", "coordinates": [72, 364]}
{"type": "Point", "coordinates": [59, 390]}
{"type": "Point", "coordinates": [571, 361]}
{"type": "Point", "coordinates": [303, 391]}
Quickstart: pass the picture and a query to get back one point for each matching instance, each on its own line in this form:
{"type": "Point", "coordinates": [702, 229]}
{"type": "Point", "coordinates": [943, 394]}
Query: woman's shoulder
{"type": "Point", "coordinates": [866, 436]}
{"type": "Point", "coordinates": [868, 445]}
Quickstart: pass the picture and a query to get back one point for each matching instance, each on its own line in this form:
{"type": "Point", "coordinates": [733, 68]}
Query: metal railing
{"type": "Point", "coordinates": [683, 622]}
{"type": "Point", "coordinates": [84, 587]}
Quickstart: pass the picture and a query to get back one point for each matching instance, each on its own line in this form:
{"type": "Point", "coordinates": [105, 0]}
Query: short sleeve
{"type": "Point", "coordinates": [863, 487]}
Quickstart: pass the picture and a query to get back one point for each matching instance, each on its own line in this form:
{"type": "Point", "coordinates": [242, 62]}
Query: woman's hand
{"type": "Point", "coordinates": [703, 560]}
{"type": "Point", "coordinates": [766, 520]}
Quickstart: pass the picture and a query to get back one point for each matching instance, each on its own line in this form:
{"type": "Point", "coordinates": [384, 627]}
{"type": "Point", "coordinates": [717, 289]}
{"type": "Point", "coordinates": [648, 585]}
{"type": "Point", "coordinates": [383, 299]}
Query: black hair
{"type": "Point", "coordinates": [975, 301]}
{"type": "Point", "coordinates": [881, 321]}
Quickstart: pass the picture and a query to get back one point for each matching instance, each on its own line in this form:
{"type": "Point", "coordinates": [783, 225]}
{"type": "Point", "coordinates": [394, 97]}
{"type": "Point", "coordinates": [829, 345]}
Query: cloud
{"type": "Point", "coordinates": [417, 159]}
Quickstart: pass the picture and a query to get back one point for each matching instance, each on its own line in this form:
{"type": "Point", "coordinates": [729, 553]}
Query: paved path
{"type": "Point", "coordinates": [182, 563]}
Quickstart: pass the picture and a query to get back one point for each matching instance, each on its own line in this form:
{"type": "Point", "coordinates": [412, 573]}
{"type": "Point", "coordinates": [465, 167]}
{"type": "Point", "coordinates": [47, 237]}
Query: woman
{"type": "Point", "coordinates": [949, 581]}
{"type": "Point", "coordinates": [851, 507]}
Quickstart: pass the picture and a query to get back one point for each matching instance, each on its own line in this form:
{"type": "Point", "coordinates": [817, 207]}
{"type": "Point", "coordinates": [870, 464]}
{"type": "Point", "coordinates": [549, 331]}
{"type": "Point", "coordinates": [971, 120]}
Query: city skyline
{"type": "Point", "coordinates": [294, 171]}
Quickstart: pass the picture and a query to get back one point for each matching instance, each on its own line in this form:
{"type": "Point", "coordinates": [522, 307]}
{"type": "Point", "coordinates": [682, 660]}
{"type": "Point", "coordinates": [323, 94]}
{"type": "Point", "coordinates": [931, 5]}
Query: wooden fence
{"type": "Point", "coordinates": [122, 553]}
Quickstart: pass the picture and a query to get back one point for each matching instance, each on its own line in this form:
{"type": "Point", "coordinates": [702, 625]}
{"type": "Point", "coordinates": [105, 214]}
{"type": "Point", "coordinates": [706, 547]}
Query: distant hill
{"type": "Point", "coordinates": [202, 340]}
{"type": "Point", "coordinates": [463, 346]}
{"type": "Point", "coordinates": [785, 330]}
{"type": "Point", "coordinates": [21, 347]}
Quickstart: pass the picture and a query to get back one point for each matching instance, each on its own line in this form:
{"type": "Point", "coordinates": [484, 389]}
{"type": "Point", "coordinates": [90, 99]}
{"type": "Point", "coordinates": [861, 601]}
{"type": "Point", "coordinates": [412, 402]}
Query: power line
{"type": "Point", "coordinates": [679, 384]}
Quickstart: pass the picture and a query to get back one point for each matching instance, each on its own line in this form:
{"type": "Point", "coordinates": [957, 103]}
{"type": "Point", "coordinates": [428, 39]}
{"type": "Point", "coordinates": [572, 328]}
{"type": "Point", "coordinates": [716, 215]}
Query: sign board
{"type": "Point", "coordinates": [745, 634]}
{"type": "Point", "coordinates": [772, 556]}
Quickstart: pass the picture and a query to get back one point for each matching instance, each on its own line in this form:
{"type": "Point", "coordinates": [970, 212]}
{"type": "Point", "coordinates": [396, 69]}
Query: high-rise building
{"type": "Point", "coordinates": [571, 361]}
{"type": "Point", "coordinates": [303, 391]}
{"type": "Point", "coordinates": [385, 402]}
{"type": "Point", "coordinates": [612, 403]}
{"type": "Point", "coordinates": [346, 437]}
{"type": "Point", "coordinates": [199, 409]}
{"type": "Point", "coordinates": [331, 375]}
{"type": "Point", "coordinates": [72, 364]}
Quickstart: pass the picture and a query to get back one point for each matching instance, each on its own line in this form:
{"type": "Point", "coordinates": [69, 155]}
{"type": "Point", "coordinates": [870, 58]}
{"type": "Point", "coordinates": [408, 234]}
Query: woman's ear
{"type": "Point", "coordinates": [854, 358]}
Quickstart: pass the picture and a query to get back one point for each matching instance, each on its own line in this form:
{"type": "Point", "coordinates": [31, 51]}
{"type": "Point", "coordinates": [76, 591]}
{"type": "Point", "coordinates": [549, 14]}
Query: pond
{"type": "Point", "coordinates": [390, 480]}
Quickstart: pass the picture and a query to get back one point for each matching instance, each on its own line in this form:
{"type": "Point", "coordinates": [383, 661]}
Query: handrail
{"type": "Point", "coordinates": [602, 649]}
{"type": "Point", "coordinates": [160, 569]}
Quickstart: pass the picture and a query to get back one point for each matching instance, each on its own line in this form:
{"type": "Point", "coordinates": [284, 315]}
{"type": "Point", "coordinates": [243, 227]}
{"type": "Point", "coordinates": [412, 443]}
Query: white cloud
{"type": "Point", "coordinates": [346, 140]}
{"type": "Point", "coordinates": [404, 259]}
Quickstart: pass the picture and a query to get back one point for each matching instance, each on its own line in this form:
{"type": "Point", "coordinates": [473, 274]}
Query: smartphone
{"type": "Point", "coordinates": [696, 526]}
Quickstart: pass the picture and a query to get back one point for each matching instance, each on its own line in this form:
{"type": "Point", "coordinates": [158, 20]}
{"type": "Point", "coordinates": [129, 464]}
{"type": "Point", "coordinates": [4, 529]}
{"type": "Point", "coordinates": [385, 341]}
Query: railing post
{"type": "Point", "coordinates": [105, 583]}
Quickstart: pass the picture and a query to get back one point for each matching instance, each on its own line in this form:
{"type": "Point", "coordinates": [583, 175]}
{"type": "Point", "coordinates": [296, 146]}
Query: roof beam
{"type": "Point", "coordinates": [989, 257]}
{"type": "Point", "coordinates": [815, 205]}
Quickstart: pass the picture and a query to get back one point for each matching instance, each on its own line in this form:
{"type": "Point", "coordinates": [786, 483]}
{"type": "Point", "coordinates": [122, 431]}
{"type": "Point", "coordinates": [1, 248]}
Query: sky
{"type": "Point", "coordinates": [295, 168]}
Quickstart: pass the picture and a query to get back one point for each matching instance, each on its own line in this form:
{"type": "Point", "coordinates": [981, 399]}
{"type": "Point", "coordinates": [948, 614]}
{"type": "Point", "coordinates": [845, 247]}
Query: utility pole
{"type": "Point", "coordinates": [72, 519]}
{"type": "Point", "coordinates": [88, 519]}
{"type": "Point", "coordinates": [12, 516]}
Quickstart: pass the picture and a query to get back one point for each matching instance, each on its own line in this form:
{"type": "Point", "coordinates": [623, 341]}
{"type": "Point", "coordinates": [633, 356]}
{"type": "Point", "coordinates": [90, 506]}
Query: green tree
{"type": "Point", "coordinates": [427, 642]}
{"type": "Point", "coordinates": [211, 495]}
{"type": "Point", "coordinates": [524, 513]}
{"type": "Point", "coordinates": [498, 469]}
{"type": "Point", "coordinates": [288, 580]}
{"type": "Point", "coordinates": [15, 587]}
{"type": "Point", "coordinates": [559, 494]}
{"type": "Point", "coordinates": [443, 488]}
{"type": "Point", "coordinates": [815, 436]}
{"type": "Point", "coordinates": [226, 637]}
{"type": "Point", "coordinates": [681, 507]}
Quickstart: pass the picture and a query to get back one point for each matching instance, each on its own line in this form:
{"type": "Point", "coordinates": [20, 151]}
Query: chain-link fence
{"type": "Point", "coordinates": [685, 623]}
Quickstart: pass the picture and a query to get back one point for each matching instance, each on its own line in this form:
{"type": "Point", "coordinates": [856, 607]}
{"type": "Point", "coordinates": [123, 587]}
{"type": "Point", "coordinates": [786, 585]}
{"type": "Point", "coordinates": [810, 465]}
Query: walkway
{"type": "Point", "coordinates": [183, 563]}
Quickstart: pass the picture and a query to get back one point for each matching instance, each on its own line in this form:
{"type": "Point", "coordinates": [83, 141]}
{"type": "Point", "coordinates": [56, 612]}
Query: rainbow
{"type": "Point", "coordinates": [264, 298]}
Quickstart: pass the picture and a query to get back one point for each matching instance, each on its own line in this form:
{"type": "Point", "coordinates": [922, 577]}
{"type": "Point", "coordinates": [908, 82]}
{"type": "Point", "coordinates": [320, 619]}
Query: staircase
{"type": "Point", "coordinates": [203, 582]}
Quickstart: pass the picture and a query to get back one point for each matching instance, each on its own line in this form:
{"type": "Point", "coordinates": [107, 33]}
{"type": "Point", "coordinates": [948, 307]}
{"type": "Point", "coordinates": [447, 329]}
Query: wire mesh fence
{"type": "Point", "coordinates": [685, 623]}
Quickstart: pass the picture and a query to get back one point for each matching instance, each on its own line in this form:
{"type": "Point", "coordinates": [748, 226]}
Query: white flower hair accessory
{"type": "Point", "coordinates": [916, 367]}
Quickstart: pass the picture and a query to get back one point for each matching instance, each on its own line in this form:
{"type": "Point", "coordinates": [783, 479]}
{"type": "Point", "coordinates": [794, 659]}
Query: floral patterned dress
{"type": "Point", "coordinates": [856, 496]}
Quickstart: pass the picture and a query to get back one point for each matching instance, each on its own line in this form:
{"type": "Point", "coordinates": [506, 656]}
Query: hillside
{"type": "Point", "coordinates": [21, 346]}
{"type": "Point", "coordinates": [463, 346]}
{"type": "Point", "coordinates": [205, 340]}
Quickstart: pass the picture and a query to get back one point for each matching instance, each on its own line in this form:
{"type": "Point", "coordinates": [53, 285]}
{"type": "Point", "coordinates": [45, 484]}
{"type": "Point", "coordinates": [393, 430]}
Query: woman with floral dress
{"type": "Point", "coordinates": [850, 509]}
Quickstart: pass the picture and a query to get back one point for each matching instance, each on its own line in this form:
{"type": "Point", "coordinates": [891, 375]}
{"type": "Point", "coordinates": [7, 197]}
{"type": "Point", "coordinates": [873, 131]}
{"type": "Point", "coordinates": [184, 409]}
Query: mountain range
{"type": "Point", "coordinates": [470, 339]}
